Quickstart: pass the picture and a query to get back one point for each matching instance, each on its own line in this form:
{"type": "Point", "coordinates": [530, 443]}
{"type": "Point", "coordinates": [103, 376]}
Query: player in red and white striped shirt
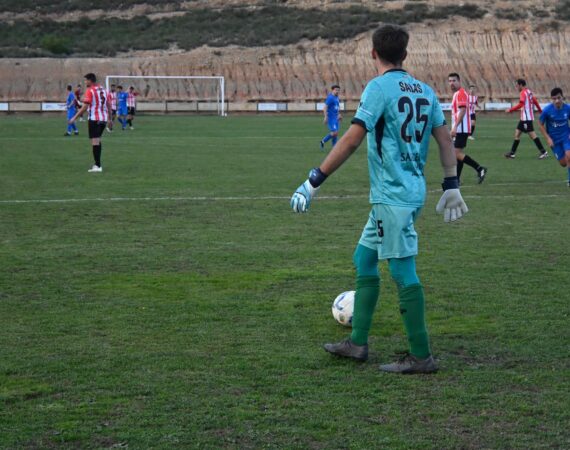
{"type": "Point", "coordinates": [526, 104]}
{"type": "Point", "coordinates": [461, 127]}
{"type": "Point", "coordinates": [473, 103]}
{"type": "Point", "coordinates": [99, 115]}
{"type": "Point", "coordinates": [131, 106]}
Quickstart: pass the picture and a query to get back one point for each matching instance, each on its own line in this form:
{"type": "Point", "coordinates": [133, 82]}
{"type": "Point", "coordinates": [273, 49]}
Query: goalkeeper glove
{"type": "Point", "coordinates": [451, 204]}
{"type": "Point", "coordinates": [301, 199]}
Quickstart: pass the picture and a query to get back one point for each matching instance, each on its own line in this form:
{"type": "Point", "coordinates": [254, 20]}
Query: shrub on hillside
{"type": "Point", "coordinates": [56, 44]}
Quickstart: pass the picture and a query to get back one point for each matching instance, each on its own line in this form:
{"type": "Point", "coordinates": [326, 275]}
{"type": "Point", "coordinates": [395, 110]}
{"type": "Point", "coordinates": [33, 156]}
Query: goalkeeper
{"type": "Point", "coordinates": [398, 114]}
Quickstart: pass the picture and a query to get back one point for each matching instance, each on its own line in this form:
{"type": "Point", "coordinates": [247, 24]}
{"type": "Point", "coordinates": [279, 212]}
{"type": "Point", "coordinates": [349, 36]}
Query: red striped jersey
{"type": "Point", "coordinates": [526, 102]}
{"type": "Point", "coordinates": [96, 98]}
{"type": "Point", "coordinates": [131, 100]}
{"type": "Point", "coordinates": [461, 100]}
{"type": "Point", "coordinates": [112, 98]}
{"type": "Point", "coordinates": [473, 102]}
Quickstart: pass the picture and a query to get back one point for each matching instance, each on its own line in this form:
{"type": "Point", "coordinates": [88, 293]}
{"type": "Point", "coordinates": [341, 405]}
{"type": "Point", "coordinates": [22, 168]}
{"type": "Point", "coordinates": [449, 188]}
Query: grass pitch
{"type": "Point", "coordinates": [175, 301]}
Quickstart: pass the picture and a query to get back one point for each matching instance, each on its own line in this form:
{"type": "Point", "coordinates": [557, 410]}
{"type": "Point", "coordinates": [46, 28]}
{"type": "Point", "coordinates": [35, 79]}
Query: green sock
{"type": "Point", "coordinates": [412, 308]}
{"type": "Point", "coordinates": [367, 290]}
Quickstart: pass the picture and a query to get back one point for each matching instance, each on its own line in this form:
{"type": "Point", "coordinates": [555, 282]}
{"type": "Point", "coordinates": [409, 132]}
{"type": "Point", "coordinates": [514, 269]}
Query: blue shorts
{"type": "Point", "coordinates": [333, 125]}
{"type": "Point", "coordinates": [560, 148]}
{"type": "Point", "coordinates": [390, 231]}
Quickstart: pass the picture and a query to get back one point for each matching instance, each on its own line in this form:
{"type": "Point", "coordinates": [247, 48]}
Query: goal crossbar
{"type": "Point", "coordinates": [220, 79]}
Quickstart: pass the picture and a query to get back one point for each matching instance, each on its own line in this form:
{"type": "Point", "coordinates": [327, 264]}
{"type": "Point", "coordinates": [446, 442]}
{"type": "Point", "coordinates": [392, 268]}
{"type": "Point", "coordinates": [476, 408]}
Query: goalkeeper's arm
{"type": "Point", "coordinates": [301, 199]}
{"type": "Point", "coordinates": [446, 152]}
{"type": "Point", "coordinates": [451, 204]}
{"type": "Point", "coordinates": [343, 149]}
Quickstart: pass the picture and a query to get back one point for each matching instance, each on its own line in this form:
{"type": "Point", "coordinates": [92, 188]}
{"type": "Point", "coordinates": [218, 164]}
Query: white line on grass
{"type": "Point", "coordinates": [246, 198]}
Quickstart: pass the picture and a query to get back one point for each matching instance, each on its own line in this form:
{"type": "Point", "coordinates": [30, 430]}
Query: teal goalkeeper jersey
{"type": "Point", "coordinates": [399, 113]}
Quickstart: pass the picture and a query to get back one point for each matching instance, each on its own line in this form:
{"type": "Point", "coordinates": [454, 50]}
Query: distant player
{"type": "Point", "coordinates": [332, 116]}
{"type": "Point", "coordinates": [71, 106]}
{"type": "Point", "coordinates": [473, 104]}
{"type": "Point", "coordinates": [122, 109]}
{"type": "Point", "coordinates": [526, 105]}
{"type": "Point", "coordinates": [113, 102]}
{"type": "Point", "coordinates": [131, 106]}
{"type": "Point", "coordinates": [461, 127]}
{"type": "Point", "coordinates": [78, 104]}
{"type": "Point", "coordinates": [398, 114]}
{"type": "Point", "coordinates": [553, 125]}
{"type": "Point", "coordinates": [99, 116]}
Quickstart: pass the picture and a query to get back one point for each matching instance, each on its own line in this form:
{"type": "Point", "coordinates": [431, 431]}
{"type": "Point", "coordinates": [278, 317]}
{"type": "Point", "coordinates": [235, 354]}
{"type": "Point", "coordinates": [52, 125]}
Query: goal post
{"type": "Point", "coordinates": [205, 90]}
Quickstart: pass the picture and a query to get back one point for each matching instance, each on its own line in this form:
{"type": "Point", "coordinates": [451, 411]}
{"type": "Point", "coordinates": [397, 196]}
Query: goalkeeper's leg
{"type": "Point", "coordinates": [412, 304]}
{"type": "Point", "coordinates": [367, 292]}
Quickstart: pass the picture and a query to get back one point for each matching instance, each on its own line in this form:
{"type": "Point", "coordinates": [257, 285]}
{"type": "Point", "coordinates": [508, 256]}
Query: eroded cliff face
{"type": "Point", "coordinates": [489, 53]}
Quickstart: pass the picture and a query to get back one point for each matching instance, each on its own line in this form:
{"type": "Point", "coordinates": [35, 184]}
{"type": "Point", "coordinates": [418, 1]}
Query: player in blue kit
{"type": "Point", "coordinates": [70, 105]}
{"type": "Point", "coordinates": [122, 110]}
{"type": "Point", "coordinates": [553, 124]}
{"type": "Point", "coordinates": [332, 115]}
{"type": "Point", "coordinates": [398, 114]}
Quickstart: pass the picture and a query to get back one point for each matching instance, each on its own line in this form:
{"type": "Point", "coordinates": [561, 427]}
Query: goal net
{"type": "Point", "coordinates": [203, 94]}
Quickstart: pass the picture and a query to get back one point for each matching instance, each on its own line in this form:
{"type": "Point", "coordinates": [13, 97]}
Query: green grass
{"type": "Point", "coordinates": [189, 311]}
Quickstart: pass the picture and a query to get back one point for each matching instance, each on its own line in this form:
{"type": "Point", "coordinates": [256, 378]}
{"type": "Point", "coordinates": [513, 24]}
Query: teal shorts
{"type": "Point", "coordinates": [390, 231]}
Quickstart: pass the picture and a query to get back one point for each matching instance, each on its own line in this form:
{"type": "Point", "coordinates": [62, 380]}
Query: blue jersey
{"type": "Point", "coordinates": [333, 107]}
{"type": "Point", "coordinates": [70, 103]}
{"type": "Point", "coordinates": [399, 113]}
{"type": "Point", "coordinates": [122, 100]}
{"type": "Point", "coordinates": [556, 121]}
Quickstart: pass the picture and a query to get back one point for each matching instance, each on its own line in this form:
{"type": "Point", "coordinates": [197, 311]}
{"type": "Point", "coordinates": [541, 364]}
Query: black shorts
{"type": "Point", "coordinates": [96, 128]}
{"type": "Point", "coordinates": [473, 116]}
{"type": "Point", "coordinates": [131, 111]}
{"type": "Point", "coordinates": [113, 113]}
{"type": "Point", "coordinates": [526, 126]}
{"type": "Point", "coordinates": [460, 140]}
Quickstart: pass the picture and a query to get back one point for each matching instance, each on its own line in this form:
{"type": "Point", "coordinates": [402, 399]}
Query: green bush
{"type": "Point", "coordinates": [511, 14]}
{"type": "Point", "coordinates": [56, 44]}
{"type": "Point", "coordinates": [563, 10]}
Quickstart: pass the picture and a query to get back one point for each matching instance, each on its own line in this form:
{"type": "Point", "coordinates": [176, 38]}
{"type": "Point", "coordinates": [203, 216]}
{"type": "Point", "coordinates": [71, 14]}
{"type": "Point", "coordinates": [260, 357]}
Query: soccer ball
{"type": "Point", "coordinates": [342, 308]}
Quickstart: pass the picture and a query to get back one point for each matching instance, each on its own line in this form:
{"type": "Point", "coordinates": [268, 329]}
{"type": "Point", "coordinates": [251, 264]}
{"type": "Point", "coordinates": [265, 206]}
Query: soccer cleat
{"type": "Point", "coordinates": [482, 174]}
{"type": "Point", "coordinates": [66, 134]}
{"type": "Point", "coordinates": [569, 183]}
{"type": "Point", "coordinates": [347, 349]}
{"type": "Point", "coordinates": [543, 155]}
{"type": "Point", "coordinates": [76, 133]}
{"type": "Point", "coordinates": [409, 364]}
{"type": "Point", "coordinates": [132, 128]}
{"type": "Point", "coordinates": [95, 168]}
{"type": "Point", "coordinates": [322, 144]}
{"type": "Point", "coordinates": [510, 155]}
{"type": "Point", "coordinates": [471, 138]}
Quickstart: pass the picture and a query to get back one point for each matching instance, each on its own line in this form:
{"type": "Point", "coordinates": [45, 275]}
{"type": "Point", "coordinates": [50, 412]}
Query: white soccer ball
{"type": "Point", "coordinates": [342, 308]}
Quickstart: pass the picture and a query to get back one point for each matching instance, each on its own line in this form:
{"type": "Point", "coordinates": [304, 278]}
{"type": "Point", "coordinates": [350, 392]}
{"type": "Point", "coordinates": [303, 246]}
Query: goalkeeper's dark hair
{"type": "Point", "coordinates": [69, 87]}
{"type": "Point", "coordinates": [335, 86]}
{"type": "Point", "coordinates": [521, 82]}
{"type": "Point", "coordinates": [91, 77]}
{"type": "Point", "coordinates": [390, 43]}
{"type": "Point", "coordinates": [454, 75]}
{"type": "Point", "coordinates": [554, 92]}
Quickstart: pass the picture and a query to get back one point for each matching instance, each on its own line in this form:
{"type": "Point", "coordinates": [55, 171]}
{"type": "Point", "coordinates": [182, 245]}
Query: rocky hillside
{"type": "Point", "coordinates": [510, 39]}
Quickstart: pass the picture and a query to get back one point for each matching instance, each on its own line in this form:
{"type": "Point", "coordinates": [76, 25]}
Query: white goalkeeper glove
{"type": "Point", "coordinates": [301, 199]}
{"type": "Point", "coordinates": [451, 204]}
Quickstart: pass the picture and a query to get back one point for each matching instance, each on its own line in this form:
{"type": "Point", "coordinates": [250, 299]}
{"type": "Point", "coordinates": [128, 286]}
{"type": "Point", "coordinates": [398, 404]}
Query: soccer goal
{"type": "Point", "coordinates": [175, 93]}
